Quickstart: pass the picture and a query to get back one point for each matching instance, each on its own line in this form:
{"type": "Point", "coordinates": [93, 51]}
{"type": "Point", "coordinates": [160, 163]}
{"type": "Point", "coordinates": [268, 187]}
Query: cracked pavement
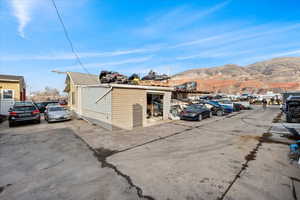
{"type": "Point", "coordinates": [217, 158]}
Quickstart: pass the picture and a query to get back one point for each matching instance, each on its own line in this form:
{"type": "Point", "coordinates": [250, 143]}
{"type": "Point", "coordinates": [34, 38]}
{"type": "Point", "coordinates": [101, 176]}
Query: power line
{"type": "Point", "coordinates": [68, 38]}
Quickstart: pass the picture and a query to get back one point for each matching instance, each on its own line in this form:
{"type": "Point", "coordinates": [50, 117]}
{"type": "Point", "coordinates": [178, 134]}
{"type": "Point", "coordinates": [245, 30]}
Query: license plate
{"type": "Point", "coordinates": [25, 115]}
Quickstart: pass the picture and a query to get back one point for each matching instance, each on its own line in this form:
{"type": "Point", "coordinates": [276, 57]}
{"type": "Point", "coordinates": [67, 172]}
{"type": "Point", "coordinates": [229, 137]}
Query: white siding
{"type": "Point", "coordinates": [90, 108]}
{"type": "Point", "coordinates": [167, 105]}
{"type": "Point", "coordinates": [5, 105]}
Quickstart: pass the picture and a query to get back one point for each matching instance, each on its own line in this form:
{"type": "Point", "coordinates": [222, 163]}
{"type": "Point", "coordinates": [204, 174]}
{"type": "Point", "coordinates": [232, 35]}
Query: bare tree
{"type": "Point", "coordinates": [47, 94]}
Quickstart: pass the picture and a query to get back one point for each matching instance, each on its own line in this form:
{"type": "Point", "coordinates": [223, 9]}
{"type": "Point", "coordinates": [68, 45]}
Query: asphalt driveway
{"type": "Point", "coordinates": [217, 158]}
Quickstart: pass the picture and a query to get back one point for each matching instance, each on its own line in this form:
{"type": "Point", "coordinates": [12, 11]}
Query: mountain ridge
{"type": "Point", "coordinates": [277, 74]}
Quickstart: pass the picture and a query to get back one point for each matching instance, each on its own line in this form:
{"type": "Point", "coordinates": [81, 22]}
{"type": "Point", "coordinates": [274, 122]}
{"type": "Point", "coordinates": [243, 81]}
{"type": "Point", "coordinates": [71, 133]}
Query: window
{"type": "Point", "coordinates": [7, 94]}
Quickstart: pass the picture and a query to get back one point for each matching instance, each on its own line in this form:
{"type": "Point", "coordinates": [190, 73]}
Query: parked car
{"type": "Point", "coordinates": [238, 107]}
{"type": "Point", "coordinates": [195, 112]}
{"type": "Point", "coordinates": [63, 102]}
{"type": "Point", "coordinates": [226, 102]}
{"type": "Point", "coordinates": [226, 108]}
{"type": "Point", "coordinates": [292, 109]}
{"type": "Point", "coordinates": [57, 113]}
{"type": "Point", "coordinates": [42, 105]}
{"type": "Point", "coordinates": [215, 109]}
{"type": "Point", "coordinates": [244, 97]}
{"type": "Point", "coordinates": [23, 112]}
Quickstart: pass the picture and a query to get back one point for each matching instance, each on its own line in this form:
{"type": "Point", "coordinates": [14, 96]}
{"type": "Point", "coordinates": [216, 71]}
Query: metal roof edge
{"type": "Point", "coordinates": [130, 86]}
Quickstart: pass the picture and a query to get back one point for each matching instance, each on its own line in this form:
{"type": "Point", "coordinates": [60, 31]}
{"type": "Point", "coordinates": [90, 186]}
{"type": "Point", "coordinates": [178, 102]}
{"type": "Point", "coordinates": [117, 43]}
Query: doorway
{"type": "Point", "coordinates": [155, 107]}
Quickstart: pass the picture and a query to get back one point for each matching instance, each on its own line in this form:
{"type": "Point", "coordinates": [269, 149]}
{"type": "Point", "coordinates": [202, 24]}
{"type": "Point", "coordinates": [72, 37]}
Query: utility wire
{"type": "Point", "coordinates": [68, 38]}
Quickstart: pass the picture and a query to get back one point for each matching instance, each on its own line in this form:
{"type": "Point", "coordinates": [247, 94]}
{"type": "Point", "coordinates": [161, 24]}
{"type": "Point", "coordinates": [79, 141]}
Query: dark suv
{"type": "Point", "coordinates": [23, 111]}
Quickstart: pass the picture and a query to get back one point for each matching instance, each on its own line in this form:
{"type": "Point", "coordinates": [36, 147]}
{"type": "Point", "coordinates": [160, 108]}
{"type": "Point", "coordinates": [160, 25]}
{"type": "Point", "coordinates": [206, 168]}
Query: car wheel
{"type": "Point", "coordinates": [11, 124]}
{"type": "Point", "coordinates": [219, 113]}
{"type": "Point", "coordinates": [200, 117]}
{"type": "Point", "coordinates": [288, 119]}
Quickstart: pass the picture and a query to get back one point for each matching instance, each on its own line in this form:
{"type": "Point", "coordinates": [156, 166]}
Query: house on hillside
{"type": "Point", "coordinates": [117, 106]}
{"type": "Point", "coordinates": [12, 87]}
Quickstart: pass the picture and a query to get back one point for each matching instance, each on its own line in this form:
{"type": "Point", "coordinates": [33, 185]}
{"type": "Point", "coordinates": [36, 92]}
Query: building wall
{"type": "Point", "coordinates": [15, 86]}
{"type": "Point", "coordinates": [167, 105]}
{"type": "Point", "coordinates": [126, 103]}
{"type": "Point", "coordinates": [91, 108]}
{"type": "Point", "coordinates": [70, 96]}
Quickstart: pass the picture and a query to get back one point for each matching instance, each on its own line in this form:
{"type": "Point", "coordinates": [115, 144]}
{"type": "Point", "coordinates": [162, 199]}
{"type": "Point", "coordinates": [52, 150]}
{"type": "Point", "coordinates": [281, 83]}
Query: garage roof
{"type": "Point", "coordinates": [11, 77]}
{"type": "Point", "coordinates": [126, 86]}
{"type": "Point", "coordinates": [83, 79]}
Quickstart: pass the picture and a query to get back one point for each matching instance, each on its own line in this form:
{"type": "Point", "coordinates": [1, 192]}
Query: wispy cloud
{"type": "Point", "coordinates": [70, 56]}
{"type": "Point", "coordinates": [175, 19]}
{"type": "Point", "coordinates": [215, 54]}
{"type": "Point", "coordinates": [295, 52]}
{"type": "Point", "coordinates": [238, 35]}
{"type": "Point", "coordinates": [22, 11]}
{"type": "Point", "coordinates": [109, 64]}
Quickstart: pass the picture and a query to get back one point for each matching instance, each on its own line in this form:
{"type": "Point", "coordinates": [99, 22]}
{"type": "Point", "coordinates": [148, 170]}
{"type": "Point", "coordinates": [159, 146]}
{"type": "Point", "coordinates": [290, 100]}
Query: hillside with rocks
{"type": "Point", "coordinates": [278, 75]}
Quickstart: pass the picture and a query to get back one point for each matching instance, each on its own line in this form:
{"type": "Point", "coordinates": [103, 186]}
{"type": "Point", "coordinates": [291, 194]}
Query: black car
{"type": "Point", "coordinates": [292, 109]}
{"type": "Point", "coordinates": [42, 105]}
{"type": "Point", "coordinates": [215, 109]}
{"type": "Point", "coordinates": [195, 112]}
{"type": "Point", "coordinates": [23, 111]}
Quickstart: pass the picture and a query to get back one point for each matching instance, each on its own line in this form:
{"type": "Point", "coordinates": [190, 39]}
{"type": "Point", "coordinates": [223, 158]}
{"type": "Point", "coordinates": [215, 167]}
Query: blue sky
{"type": "Point", "coordinates": [130, 36]}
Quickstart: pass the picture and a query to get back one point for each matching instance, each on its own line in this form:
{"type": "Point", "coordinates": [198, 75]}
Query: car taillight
{"type": "Point", "coordinates": [12, 113]}
{"type": "Point", "coordinates": [35, 112]}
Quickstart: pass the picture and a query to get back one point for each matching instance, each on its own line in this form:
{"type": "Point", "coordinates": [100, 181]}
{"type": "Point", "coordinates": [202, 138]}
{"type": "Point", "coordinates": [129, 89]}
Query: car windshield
{"type": "Point", "coordinates": [214, 103]}
{"type": "Point", "coordinates": [225, 102]}
{"type": "Point", "coordinates": [52, 104]}
{"type": "Point", "coordinates": [24, 108]}
{"type": "Point", "coordinates": [194, 107]}
{"type": "Point", "coordinates": [53, 109]}
{"type": "Point", "coordinates": [38, 104]}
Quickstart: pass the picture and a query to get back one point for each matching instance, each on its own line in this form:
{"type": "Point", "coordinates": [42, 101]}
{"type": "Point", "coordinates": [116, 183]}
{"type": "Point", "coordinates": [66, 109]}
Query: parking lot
{"type": "Point", "coordinates": [217, 158]}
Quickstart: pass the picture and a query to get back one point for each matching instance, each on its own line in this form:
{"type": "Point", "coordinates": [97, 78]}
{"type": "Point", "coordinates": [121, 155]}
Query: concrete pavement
{"type": "Point", "coordinates": [217, 158]}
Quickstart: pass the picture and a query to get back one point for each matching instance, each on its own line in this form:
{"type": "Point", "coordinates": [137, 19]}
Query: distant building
{"type": "Point", "coordinates": [12, 88]}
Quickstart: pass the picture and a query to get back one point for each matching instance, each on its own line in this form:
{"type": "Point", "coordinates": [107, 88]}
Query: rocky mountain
{"type": "Point", "coordinates": [278, 74]}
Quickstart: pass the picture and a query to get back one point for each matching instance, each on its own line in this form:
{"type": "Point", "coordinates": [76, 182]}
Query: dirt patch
{"type": "Point", "coordinates": [278, 119]}
{"type": "Point", "coordinates": [103, 153]}
{"type": "Point", "coordinates": [245, 138]}
{"type": "Point", "coordinates": [2, 188]}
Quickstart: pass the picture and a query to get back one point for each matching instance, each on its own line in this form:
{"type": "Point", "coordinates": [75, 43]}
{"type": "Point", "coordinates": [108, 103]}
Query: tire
{"type": "Point", "coordinates": [288, 119]}
{"type": "Point", "coordinates": [200, 117]}
{"type": "Point", "coordinates": [11, 124]}
{"type": "Point", "coordinates": [219, 113]}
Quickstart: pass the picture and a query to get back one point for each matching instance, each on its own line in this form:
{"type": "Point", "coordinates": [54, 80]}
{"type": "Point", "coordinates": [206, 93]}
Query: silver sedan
{"type": "Point", "coordinates": [57, 113]}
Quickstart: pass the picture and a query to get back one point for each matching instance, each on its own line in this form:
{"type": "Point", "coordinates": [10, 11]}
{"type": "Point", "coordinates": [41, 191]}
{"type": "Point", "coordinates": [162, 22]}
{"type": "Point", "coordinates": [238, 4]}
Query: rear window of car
{"type": "Point", "coordinates": [24, 108]}
{"type": "Point", "coordinates": [53, 109]}
{"type": "Point", "coordinates": [20, 104]}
